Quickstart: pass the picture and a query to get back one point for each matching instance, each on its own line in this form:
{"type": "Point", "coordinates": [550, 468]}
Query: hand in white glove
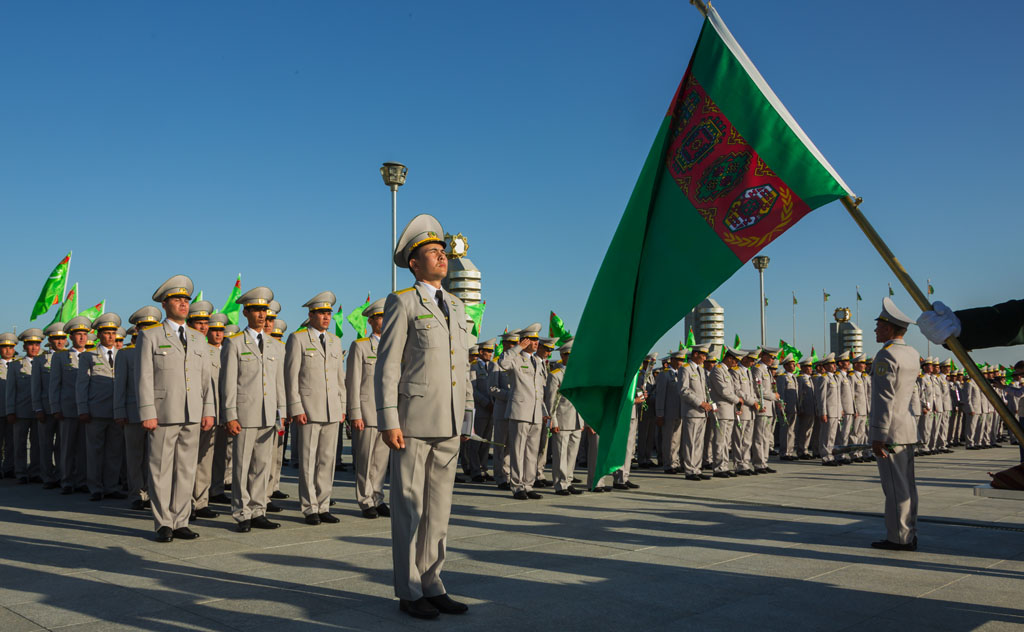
{"type": "Point", "coordinates": [939, 323]}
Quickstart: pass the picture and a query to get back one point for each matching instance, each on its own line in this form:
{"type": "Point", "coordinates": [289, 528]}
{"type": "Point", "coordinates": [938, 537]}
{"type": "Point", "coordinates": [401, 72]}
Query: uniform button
{"type": "Point", "coordinates": [453, 366]}
{"type": "Point", "coordinates": [453, 383]}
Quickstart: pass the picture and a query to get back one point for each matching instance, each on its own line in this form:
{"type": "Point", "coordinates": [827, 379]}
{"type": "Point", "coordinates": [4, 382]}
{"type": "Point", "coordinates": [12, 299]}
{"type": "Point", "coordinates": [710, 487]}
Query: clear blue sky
{"type": "Point", "coordinates": [218, 138]}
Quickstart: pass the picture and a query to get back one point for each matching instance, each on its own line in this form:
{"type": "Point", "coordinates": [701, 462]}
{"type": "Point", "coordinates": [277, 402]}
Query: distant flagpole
{"type": "Point", "coordinates": [824, 320]}
{"type": "Point", "coordinates": [794, 321]}
{"type": "Point", "coordinates": [858, 306]}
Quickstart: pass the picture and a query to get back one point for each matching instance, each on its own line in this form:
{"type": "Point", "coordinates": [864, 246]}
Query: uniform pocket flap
{"type": "Point", "coordinates": [412, 389]}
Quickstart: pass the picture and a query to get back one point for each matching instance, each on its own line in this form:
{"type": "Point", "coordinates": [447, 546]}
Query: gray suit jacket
{"type": "Point", "coordinates": [126, 390]}
{"type": "Point", "coordinates": [723, 391]}
{"type": "Point", "coordinates": [893, 374]}
{"type": "Point", "coordinates": [666, 395]}
{"type": "Point", "coordinates": [41, 383]}
{"type": "Point", "coordinates": [63, 380]}
{"type": "Point", "coordinates": [762, 384]}
{"type": "Point", "coordinates": [315, 378]}
{"type": "Point", "coordinates": [480, 373]}
{"type": "Point", "coordinates": [173, 385]}
{"type": "Point", "coordinates": [693, 391]}
{"type": "Point", "coordinates": [18, 398]}
{"type": "Point", "coordinates": [94, 390]}
{"type": "Point", "coordinates": [563, 414]}
{"type": "Point", "coordinates": [528, 377]}
{"type": "Point", "coordinates": [422, 383]}
{"type": "Point", "coordinates": [252, 383]}
{"type": "Point", "coordinates": [362, 363]}
{"type": "Point", "coordinates": [500, 386]}
{"type": "Point", "coordinates": [826, 397]}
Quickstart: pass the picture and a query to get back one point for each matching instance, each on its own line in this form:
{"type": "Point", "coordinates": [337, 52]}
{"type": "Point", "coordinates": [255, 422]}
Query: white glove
{"type": "Point", "coordinates": [467, 423]}
{"type": "Point", "coordinates": [939, 323]}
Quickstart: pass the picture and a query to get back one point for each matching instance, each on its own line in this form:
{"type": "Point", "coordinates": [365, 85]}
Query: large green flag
{"type": "Point", "coordinates": [787, 348]}
{"type": "Point", "coordinates": [556, 329]}
{"type": "Point", "coordinates": [729, 171]}
{"type": "Point", "coordinates": [232, 309]}
{"type": "Point", "coordinates": [53, 288]}
{"type": "Point", "coordinates": [355, 318]}
{"type": "Point", "coordinates": [69, 308]}
{"type": "Point", "coordinates": [95, 311]}
{"type": "Point", "coordinates": [476, 312]}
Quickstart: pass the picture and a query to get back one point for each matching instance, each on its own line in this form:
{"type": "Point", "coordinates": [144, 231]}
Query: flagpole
{"type": "Point", "coordinates": [794, 321]}
{"type": "Point", "coordinates": [824, 322]}
{"type": "Point", "coordinates": [858, 305]}
{"type": "Point", "coordinates": [953, 343]}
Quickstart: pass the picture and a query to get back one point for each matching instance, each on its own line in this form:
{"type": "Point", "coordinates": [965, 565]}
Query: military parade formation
{"type": "Point", "coordinates": [193, 413]}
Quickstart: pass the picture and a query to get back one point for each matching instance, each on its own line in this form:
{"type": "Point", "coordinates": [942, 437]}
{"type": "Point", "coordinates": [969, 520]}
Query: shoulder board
{"type": "Point", "coordinates": [556, 370]}
{"type": "Point", "coordinates": [300, 329]}
{"type": "Point", "coordinates": [887, 345]}
{"type": "Point", "coordinates": [408, 289]}
{"type": "Point", "coordinates": [151, 326]}
{"type": "Point", "coordinates": [235, 335]}
{"type": "Point", "coordinates": [128, 347]}
{"type": "Point", "coordinates": [362, 339]}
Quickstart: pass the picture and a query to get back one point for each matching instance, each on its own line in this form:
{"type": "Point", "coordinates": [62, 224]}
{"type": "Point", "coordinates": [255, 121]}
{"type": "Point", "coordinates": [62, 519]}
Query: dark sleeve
{"type": "Point", "coordinates": [997, 326]}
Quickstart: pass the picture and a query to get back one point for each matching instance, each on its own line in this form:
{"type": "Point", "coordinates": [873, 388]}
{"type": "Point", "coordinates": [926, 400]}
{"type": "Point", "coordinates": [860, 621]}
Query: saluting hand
{"type": "Point", "coordinates": [393, 439]}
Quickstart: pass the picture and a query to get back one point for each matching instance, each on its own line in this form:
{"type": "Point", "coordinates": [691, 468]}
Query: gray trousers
{"type": "Point", "coordinates": [274, 471]}
{"type": "Point", "coordinates": [525, 439]}
{"type": "Point", "coordinates": [593, 442]}
{"type": "Point", "coordinates": [762, 441]}
{"type": "Point", "coordinates": [319, 443]}
{"type": "Point", "coordinates": [925, 423]}
{"type": "Point", "coordinates": [896, 472]}
{"type": "Point", "coordinates": [693, 443]}
{"type": "Point", "coordinates": [204, 469]}
{"type": "Point", "coordinates": [502, 455]}
{"type": "Point", "coordinates": [371, 456]}
{"type": "Point", "coordinates": [72, 453]}
{"type": "Point", "coordinates": [788, 434]}
{"type": "Point", "coordinates": [971, 433]}
{"type": "Point", "coordinates": [104, 440]}
{"type": "Point", "coordinates": [6, 445]}
{"type": "Point", "coordinates": [671, 440]}
{"type": "Point", "coordinates": [542, 451]}
{"type": "Point", "coordinates": [221, 473]}
{"type": "Point", "coordinates": [422, 480]}
{"type": "Point", "coordinates": [859, 434]}
{"type": "Point", "coordinates": [844, 435]}
{"type": "Point", "coordinates": [941, 430]}
{"type": "Point", "coordinates": [621, 475]}
{"type": "Point", "coordinates": [723, 444]}
{"type": "Point", "coordinates": [250, 470]}
{"type": "Point", "coordinates": [135, 458]}
{"type": "Point", "coordinates": [827, 438]}
{"type": "Point", "coordinates": [49, 459]}
{"type": "Point", "coordinates": [173, 453]}
{"type": "Point", "coordinates": [482, 426]}
{"type": "Point", "coordinates": [646, 431]}
{"type": "Point", "coordinates": [26, 440]}
{"type": "Point", "coordinates": [742, 438]}
{"type": "Point", "coordinates": [565, 446]}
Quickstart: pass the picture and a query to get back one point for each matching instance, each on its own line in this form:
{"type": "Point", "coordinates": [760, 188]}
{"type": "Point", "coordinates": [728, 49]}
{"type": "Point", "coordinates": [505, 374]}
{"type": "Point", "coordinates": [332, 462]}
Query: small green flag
{"type": "Point", "coordinates": [556, 329]}
{"type": "Point", "coordinates": [794, 299]}
{"type": "Point", "coordinates": [931, 290]}
{"type": "Point", "coordinates": [736, 343]}
{"type": "Point", "coordinates": [69, 308]}
{"type": "Point", "coordinates": [232, 309]}
{"type": "Point", "coordinates": [356, 319]}
{"type": "Point", "coordinates": [766, 301]}
{"type": "Point", "coordinates": [891, 293]}
{"type": "Point", "coordinates": [95, 311]}
{"type": "Point", "coordinates": [476, 312]}
{"type": "Point", "coordinates": [53, 288]}
{"type": "Point", "coordinates": [691, 341]}
{"type": "Point", "coordinates": [681, 345]}
{"type": "Point", "coordinates": [791, 350]}
{"type": "Point", "coordinates": [858, 296]}
{"type": "Point", "coordinates": [827, 295]}
{"type": "Point", "coordinates": [814, 356]}
{"type": "Point", "coordinates": [198, 297]}
{"type": "Point", "coordinates": [499, 348]}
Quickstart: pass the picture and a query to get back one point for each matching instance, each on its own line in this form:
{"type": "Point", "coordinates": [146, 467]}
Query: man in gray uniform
{"type": "Point", "coordinates": [7, 343]}
{"type": "Point", "coordinates": [727, 400]}
{"type": "Point", "coordinates": [544, 351]}
{"type": "Point", "coordinates": [370, 453]}
{"type": "Point", "coordinates": [743, 432]}
{"type": "Point", "coordinates": [806, 420]}
{"type": "Point", "coordinates": [253, 404]}
{"type": "Point", "coordinates": [763, 383]}
{"type": "Point", "coordinates": [892, 427]}
{"type": "Point", "coordinates": [46, 424]}
{"type": "Point", "coordinates": [220, 469]}
{"type": "Point", "coordinates": [483, 423]}
{"type": "Point", "coordinates": [126, 410]}
{"type": "Point", "coordinates": [63, 380]}
{"type": "Point", "coordinates": [566, 428]}
{"type": "Point", "coordinates": [828, 409]}
{"type": "Point", "coordinates": [787, 384]}
{"type": "Point", "coordinates": [526, 410]}
{"type": "Point", "coordinates": [19, 411]}
{"type": "Point", "coordinates": [314, 377]}
{"type": "Point", "coordinates": [667, 410]}
{"type": "Point", "coordinates": [173, 376]}
{"type": "Point", "coordinates": [104, 439]}
{"type": "Point", "coordinates": [696, 404]}
{"type": "Point", "coordinates": [500, 385]}
{"type": "Point", "coordinates": [647, 429]}
{"type": "Point", "coordinates": [419, 415]}
{"type": "Point", "coordinates": [199, 316]}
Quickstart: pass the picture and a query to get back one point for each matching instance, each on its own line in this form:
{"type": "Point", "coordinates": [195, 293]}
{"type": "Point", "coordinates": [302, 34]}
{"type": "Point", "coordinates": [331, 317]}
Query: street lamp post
{"type": "Point", "coordinates": [761, 262]}
{"type": "Point", "coordinates": [394, 176]}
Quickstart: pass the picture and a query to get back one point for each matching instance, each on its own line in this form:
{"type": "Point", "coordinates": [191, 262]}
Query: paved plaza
{"type": "Point", "coordinates": [787, 551]}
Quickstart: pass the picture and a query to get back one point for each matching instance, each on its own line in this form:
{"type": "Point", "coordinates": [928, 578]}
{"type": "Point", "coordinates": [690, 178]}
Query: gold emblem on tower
{"type": "Point", "coordinates": [842, 314]}
{"type": "Point", "coordinates": [458, 245]}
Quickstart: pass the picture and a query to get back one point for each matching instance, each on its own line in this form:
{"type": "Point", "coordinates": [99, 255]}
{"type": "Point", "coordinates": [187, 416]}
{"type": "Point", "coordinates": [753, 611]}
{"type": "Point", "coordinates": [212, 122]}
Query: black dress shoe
{"type": "Point", "coordinates": [261, 522]}
{"type": "Point", "coordinates": [607, 488]}
{"type": "Point", "coordinates": [705, 477]}
{"type": "Point", "coordinates": [760, 470]}
{"type": "Point", "coordinates": [51, 485]}
{"type": "Point", "coordinates": [693, 477]}
{"type": "Point", "coordinates": [671, 470]}
{"type": "Point", "coordinates": [540, 482]}
{"type": "Point", "coordinates": [575, 480]}
{"type": "Point", "coordinates": [597, 490]}
{"type": "Point", "coordinates": [505, 487]}
{"type": "Point", "coordinates": [82, 489]}
{"type": "Point", "coordinates": [520, 495]}
{"type": "Point", "coordinates": [184, 533]}
{"type": "Point", "coordinates": [562, 492]}
{"type": "Point", "coordinates": [532, 495]}
{"type": "Point", "coordinates": [227, 488]}
{"type": "Point", "coordinates": [116, 495]}
{"type": "Point", "coordinates": [575, 491]}
{"type": "Point", "coordinates": [96, 496]}
{"type": "Point", "coordinates": [768, 470]}
{"type": "Point", "coordinates": [889, 545]}
{"type": "Point", "coordinates": [447, 605]}
{"type": "Point", "coordinates": [721, 475]}
{"type": "Point", "coordinates": [383, 510]}
{"type": "Point", "coordinates": [272, 508]}
{"type": "Point", "coordinates": [632, 485]}
{"type": "Point", "coordinates": [22, 480]}
{"type": "Point", "coordinates": [67, 491]}
{"type": "Point", "coordinates": [164, 534]}
{"type": "Point", "coordinates": [37, 479]}
{"type": "Point", "coordinates": [279, 495]}
{"type": "Point", "coordinates": [330, 519]}
{"type": "Point", "coordinates": [479, 479]}
{"type": "Point", "coordinates": [421, 608]}
{"type": "Point", "coordinates": [206, 512]}
{"type": "Point", "coordinates": [244, 526]}
{"type": "Point", "coordinates": [331, 503]}
{"type": "Point", "coordinates": [620, 486]}
{"type": "Point", "coordinates": [488, 478]}
{"type": "Point", "coordinates": [138, 505]}
{"type": "Point", "coordinates": [732, 474]}
{"type": "Point", "coordinates": [313, 519]}
{"type": "Point", "coordinates": [220, 499]}
{"type": "Point", "coordinates": [370, 512]}
{"type": "Point", "coordinates": [745, 472]}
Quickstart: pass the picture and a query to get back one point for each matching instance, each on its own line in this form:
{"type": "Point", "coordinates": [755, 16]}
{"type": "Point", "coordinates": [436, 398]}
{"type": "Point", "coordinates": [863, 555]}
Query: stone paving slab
{"type": "Point", "coordinates": [780, 552]}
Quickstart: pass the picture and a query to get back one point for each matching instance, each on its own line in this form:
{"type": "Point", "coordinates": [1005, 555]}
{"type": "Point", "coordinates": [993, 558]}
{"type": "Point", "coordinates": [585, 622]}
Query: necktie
{"type": "Point", "coordinates": [110, 358]}
{"type": "Point", "coordinates": [181, 336]}
{"type": "Point", "coordinates": [323, 343]}
{"type": "Point", "coordinates": [259, 341]}
{"type": "Point", "coordinates": [439, 297]}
